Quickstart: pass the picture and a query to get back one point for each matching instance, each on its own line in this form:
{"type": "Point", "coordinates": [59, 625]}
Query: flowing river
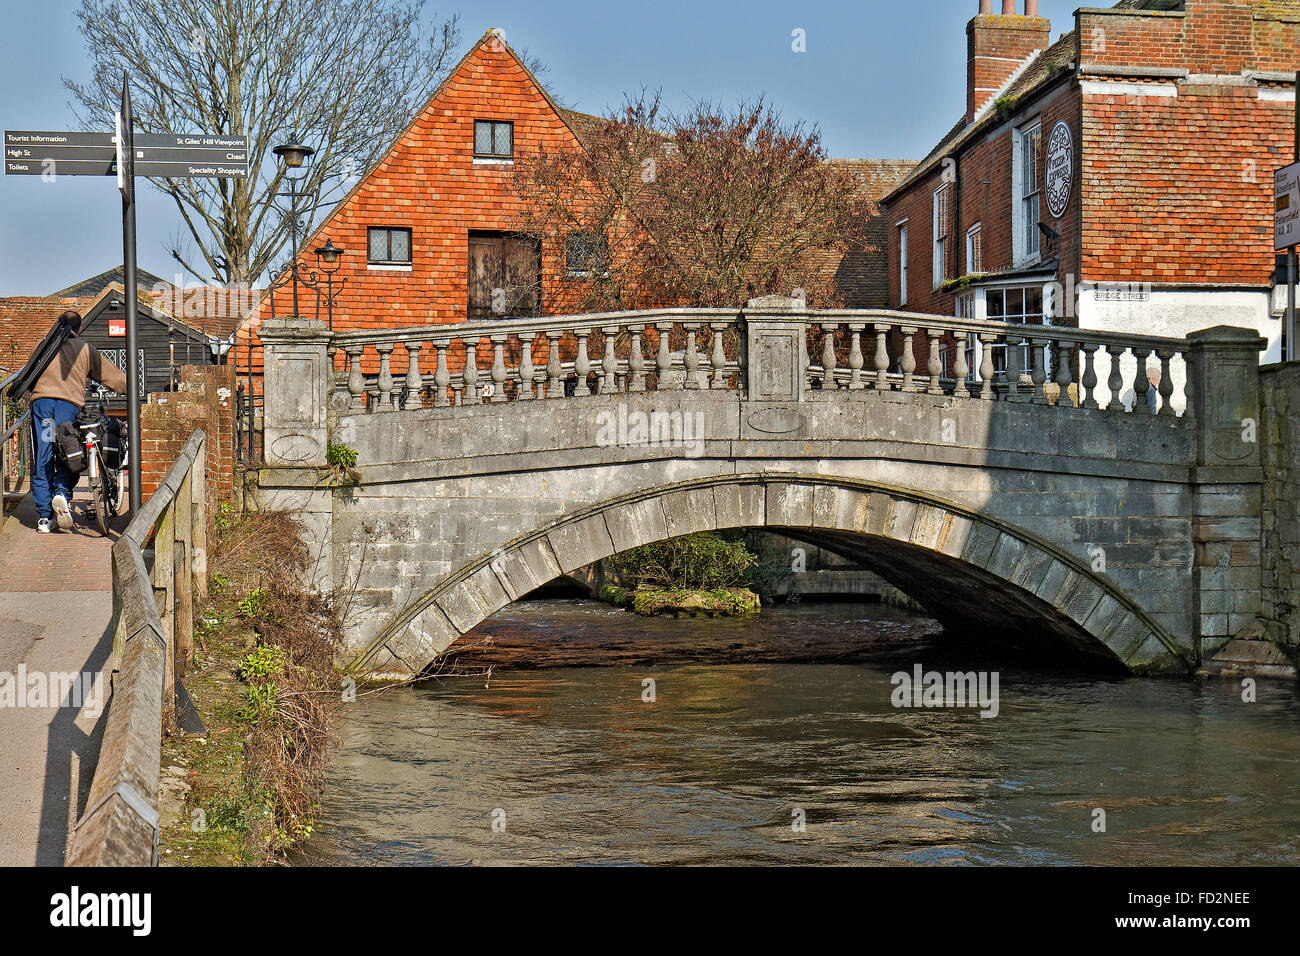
{"type": "Point", "coordinates": [774, 740]}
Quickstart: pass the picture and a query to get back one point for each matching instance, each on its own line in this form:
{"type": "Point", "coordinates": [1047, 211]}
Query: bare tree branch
{"type": "Point", "coordinates": [346, 76]}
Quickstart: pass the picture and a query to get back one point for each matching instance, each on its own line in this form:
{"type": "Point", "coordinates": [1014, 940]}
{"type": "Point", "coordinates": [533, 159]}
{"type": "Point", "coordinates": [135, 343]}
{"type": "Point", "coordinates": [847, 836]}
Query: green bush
{"type": "Point", "coordinates": [703, 561]}
{"type": "Point", "coordinates": [341, 456]}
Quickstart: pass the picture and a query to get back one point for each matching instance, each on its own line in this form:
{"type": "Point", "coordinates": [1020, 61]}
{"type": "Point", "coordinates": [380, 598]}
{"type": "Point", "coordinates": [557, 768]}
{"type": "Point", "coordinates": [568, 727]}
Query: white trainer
{"type": "Point", "coordinates": [62, 514]}
{"type": "Point", "coordinates": [43, 526]}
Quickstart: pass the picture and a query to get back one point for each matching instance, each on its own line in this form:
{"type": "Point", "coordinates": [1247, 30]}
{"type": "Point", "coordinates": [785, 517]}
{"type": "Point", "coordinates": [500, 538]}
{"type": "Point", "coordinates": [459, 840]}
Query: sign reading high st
{"type": "Point", "coordinates": [179, 156]}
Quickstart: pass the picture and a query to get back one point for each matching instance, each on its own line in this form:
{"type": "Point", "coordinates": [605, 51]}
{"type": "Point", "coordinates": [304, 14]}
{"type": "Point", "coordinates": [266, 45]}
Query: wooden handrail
{"type": "Point", "coordinates": [152, 633]}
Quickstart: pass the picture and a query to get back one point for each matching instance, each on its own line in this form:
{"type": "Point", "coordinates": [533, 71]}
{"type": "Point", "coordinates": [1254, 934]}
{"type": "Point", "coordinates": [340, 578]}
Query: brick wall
{"type": "Point", "coordinates": [996, 45]}
{"type": "Point", "coordinates": [1168, 189]}
{"type": "Point", "coordinates": [204, 400]}
{"type": "Point", "coordinates": [1280, 539]}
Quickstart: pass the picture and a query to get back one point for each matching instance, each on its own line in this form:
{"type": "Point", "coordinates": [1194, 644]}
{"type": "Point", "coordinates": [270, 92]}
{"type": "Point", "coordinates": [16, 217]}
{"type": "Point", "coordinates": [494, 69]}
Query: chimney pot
{"type": "Point", "coordinates": [1031, 8]}
{"type": "Point", "coordinates": [1008, 7]}
{"type": "Point", "coordinates": [986, 8]}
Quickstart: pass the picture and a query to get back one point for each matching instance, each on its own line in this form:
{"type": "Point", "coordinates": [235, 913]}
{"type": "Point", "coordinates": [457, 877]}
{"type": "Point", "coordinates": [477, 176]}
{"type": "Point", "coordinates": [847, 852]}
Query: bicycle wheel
{"type": "Point", "coordinates": [99, 493]}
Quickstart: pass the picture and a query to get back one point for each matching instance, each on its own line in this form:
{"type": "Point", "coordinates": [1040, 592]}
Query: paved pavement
{"type": "Point", "coordinates": [56, 604]}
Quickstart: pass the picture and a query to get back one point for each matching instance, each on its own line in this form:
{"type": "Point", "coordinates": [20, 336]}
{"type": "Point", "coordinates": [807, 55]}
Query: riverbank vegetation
{"type": "Point", "coordinates": [704, 573]}
{"type": "Point", "coordinates": [265, 686]}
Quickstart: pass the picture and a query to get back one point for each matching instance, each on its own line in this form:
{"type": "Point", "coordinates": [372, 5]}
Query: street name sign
{"type": "Point", "coordinates": [1286, 207]}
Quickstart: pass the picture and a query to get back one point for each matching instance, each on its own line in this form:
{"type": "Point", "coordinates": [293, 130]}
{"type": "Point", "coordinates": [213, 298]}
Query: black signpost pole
{"type": "Point", "coordinates": [126, 182]}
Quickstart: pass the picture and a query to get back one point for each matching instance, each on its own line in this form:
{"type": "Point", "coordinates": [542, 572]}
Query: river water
{"type": "Point", "coordinates": [774, 741]}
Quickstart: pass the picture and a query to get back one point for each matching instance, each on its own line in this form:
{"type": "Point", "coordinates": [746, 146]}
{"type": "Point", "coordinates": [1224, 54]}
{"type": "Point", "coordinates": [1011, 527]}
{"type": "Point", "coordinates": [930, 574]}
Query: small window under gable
{"type": "Point", "coordinates": [386, 245]}
{"type": "Point", "coordinates": [494, 139]}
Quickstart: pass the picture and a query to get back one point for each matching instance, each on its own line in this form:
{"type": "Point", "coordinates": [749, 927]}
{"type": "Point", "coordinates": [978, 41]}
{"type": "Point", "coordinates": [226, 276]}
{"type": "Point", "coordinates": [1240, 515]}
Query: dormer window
{"type": "Point", "coordinates": [494, 139]}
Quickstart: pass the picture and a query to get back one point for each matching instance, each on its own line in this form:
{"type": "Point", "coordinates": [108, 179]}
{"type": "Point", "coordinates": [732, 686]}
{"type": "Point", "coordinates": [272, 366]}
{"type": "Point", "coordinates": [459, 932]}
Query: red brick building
{"type": "Point", "coordinates": [1119, 178]}
{"type": "Point", "coordinates": [428, 230]}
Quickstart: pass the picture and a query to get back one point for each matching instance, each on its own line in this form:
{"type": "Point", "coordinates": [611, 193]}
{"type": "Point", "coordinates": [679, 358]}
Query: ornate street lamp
{"type": "Point", "coordinates": [328, 256]}
{"type": "Point", "coordinates": [292, 156]}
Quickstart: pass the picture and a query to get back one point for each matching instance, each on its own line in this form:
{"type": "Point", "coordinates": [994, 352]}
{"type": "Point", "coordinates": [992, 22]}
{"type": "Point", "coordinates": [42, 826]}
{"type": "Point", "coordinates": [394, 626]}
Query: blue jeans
{"type": "Point", "coordinates": [49, 477]}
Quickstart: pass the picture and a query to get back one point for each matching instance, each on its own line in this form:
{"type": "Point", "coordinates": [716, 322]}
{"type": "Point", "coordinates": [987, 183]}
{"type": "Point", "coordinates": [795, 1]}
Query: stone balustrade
{"type": "Point", "coordinates": [775, 351]}
{"type": "Point", "coordinates": [528, 359]}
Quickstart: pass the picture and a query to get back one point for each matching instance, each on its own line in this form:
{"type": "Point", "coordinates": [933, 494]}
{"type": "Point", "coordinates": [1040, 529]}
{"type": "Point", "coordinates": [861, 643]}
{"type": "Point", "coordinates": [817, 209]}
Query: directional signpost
{"type": "Point", "coordinates": [126, 154]}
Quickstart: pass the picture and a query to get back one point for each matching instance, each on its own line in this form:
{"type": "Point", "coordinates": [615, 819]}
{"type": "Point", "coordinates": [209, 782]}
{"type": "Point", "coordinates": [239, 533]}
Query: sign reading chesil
{"type": "Point", "coordinates": [1286, 207]}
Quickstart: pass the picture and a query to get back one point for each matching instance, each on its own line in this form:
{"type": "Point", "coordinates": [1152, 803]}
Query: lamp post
{"type": "Point", "coordinates": [328, 256]}
{"type": "Point", "coordinates": [293, 155]}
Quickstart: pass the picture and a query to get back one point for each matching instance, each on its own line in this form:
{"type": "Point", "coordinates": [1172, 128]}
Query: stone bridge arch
{"type": "Point", "coordinates": [971, 571]}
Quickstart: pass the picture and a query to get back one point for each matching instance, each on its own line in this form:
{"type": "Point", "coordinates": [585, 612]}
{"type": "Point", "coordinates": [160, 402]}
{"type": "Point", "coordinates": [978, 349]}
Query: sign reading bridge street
{"type": "Point", "coordinates": [180, 156]}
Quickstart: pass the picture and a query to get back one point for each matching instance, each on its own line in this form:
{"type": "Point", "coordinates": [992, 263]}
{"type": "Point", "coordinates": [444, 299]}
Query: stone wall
{"type": "Point", "coordinates": [1280, 540]}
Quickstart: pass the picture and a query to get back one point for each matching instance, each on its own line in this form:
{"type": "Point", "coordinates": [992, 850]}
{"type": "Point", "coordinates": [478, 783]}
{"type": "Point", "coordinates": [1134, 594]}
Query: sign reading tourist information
{"type": "Point", "coordinates": [34, 153]}
{"type": "Point", "coordinates": [1059, 173]}
{"type": "Point", "coordinates": [1286, 207]}
{"type": "Point", "coordinates": [183, 156]}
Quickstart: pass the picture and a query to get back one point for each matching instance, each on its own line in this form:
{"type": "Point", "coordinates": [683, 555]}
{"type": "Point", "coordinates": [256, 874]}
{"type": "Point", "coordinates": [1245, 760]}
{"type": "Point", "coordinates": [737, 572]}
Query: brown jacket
{"type": "Point", "coordinates": [66, 377]}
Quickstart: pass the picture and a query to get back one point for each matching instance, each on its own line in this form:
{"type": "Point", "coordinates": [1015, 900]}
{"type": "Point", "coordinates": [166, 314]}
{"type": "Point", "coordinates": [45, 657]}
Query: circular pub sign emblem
{"type": "Point", "coordinates": [1059, 172]}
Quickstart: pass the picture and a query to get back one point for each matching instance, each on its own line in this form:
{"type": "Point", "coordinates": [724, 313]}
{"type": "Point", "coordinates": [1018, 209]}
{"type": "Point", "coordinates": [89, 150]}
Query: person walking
{"type": "Point", "coordinates": [58, 395]}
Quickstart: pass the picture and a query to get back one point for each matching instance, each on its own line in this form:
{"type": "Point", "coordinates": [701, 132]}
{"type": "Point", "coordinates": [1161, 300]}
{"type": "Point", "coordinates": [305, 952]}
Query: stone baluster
{"type": "Point", "coordinates": [636, 361]}
{"type": "Point", "coordinates": [1013, 340]}
{"type": "Point", "coordinates": [609, 366]}
{"type": "Point", "coordinates": [829, 364]}
{"type": "Point", "coordinates": [909, 359]}
{"type": "Point", "coordinates": [338, 381]}
{"type": "Point", "coordinates": [855, 356]}
{"type": "Point", "coordinates": [554, 370]}
{"type": "Point", "coordinates": [470, 376]}
{"type": "Point", "coordinates": [1088, 383]}
{"type": "Point", "coordinates": [718, 358]}
{"type": "Point", "coordinates": [524, 390]}
{"type": "Point", "coordinates": [385, 382]}
{"type": "Point", "coordinates": [987, 341]}
{"type": "Point", "coordinates": [582, 365]}
{"type": "Point", "coordinates": [414, 380]}
{"type": "Point", "coordinates": [664, 360]}
{"type": "Point", "coordinates": [1038, 351]}
{"type": "Point", "coordinates": [880, 361]}
{"type": "Point", "coordinates": [441, 377]}
{"type": "Point", "coordinates": [933, 365]}
{"type": "Point", "coordinates": [498, 367]}
{"type": "Point", "coordinates": [1189, 365]}
{"type": "Point", "coordinates": [1140, 382]}
{"type": "Point", "coordinates": [1064, 372]}
{"type": "Point", "coordinates": [1115, 378]}
{"type": "Point", "coordinates": [691, 359]}
{"type": "Point", "coordinates": [960, 367]}
{"type": "Point", "coordinates": [1166, 382]}
{"type": "Point", "coordinates": [356, 384]}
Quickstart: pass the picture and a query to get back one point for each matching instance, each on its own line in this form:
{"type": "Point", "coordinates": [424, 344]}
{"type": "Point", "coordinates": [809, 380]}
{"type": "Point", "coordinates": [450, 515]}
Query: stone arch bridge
{"type": "Point", "coordinates": [1020, 481]}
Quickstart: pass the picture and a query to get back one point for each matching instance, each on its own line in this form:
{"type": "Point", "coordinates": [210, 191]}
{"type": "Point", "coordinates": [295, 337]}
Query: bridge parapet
{"type": "Point", "coordinates": [764, 349]}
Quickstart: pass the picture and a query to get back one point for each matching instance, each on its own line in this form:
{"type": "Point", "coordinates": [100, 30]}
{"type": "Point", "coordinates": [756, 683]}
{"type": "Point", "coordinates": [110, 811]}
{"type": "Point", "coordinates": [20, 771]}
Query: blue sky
{"type": "Point", "coordinates": [881, 78]}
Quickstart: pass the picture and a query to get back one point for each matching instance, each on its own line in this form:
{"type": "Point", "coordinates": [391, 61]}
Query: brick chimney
{"type": "Point", "coordinates": [997, 45]}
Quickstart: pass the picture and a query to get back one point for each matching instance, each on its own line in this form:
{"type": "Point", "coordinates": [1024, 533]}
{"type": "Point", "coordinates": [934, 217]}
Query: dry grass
{"type": "Point", "coordinates": [293, 697]}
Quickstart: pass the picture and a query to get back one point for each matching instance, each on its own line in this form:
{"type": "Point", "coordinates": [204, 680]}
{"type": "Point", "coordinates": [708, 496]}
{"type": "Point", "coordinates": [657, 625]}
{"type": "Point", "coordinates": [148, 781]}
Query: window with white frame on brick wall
{"type": "Point", "coordinates": [902, 263]}
{"type": "Point", "coordinates": [1026, 193]}
{"type": "Point", "coordinates": [974, 249]}
{"type": "Point", "coordinates": [942, 232]}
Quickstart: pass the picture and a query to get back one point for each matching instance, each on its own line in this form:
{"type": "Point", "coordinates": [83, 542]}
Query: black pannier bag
{"type": "Point", "coordinates": [113, 444]}
{"type": "Point", "coordinates": [68, 447]}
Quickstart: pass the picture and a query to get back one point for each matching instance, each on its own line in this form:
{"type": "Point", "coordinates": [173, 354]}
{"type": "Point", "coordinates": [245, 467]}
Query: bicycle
{"type": "Point", "coordinates": [107, 492]}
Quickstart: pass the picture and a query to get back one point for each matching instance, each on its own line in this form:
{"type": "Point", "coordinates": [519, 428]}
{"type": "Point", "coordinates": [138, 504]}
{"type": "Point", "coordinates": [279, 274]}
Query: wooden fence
{"type": "Point", "coordinates": [153, 605]}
